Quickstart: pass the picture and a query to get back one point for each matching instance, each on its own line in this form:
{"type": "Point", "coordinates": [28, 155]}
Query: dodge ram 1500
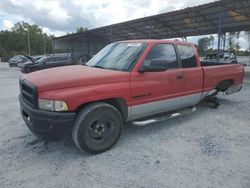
{"type": "Point", "coordinates": [125, 81]}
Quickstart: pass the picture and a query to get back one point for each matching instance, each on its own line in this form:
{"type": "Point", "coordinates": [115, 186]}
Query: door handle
{"type": "Point", "coordinates": [179, 77]}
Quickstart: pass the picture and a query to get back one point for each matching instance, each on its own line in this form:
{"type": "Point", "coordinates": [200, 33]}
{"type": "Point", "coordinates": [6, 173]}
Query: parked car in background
{"type": "Point", "coordinates": [45, 63]}
{"type": "Point", "coordinates": [224, 57]}
{"type": "Point", "coordinates": [29, 60]}
{"type": "Point", "coordinates": [5, 59]}
{"type": "Point", "coordinates": [37, 57]}
{"type": "Point", "coordinates": [18, 60]}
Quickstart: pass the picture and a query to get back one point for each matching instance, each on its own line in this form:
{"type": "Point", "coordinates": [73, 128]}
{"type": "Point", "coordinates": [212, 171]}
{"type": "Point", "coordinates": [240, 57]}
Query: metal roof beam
{"type": "Point", "coordinates": [168, 26]}
{"type": "Point", "coordinates": [207, 20]}
{"type": "Point", "coordinates": [236, 10]}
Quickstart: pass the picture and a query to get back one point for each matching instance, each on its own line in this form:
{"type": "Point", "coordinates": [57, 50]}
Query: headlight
{"type": "Point", "coordinates": [52, 105]}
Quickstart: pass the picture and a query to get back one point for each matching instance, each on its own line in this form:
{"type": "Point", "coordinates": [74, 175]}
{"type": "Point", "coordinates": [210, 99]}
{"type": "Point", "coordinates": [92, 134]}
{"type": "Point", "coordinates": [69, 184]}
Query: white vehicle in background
{"type": "Point", "coordinates": [224, 57]}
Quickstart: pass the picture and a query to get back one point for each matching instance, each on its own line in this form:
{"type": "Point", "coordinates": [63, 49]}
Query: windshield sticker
{"type": "Point", "coordinates": [134, 44]}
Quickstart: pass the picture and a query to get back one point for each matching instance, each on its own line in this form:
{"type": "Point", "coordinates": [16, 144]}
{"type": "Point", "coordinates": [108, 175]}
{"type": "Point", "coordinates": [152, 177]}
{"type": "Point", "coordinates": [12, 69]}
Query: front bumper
{"type": "Point", "coordinates": [45, 121]}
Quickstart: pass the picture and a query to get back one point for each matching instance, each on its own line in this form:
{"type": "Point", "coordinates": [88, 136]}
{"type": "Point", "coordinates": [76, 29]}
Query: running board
{"type": "Point", "coordinates": [163, 117]}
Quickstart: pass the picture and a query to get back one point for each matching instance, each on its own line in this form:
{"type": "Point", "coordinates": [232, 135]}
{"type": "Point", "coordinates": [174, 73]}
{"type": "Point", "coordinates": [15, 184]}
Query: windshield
{"type": "Point", "coordinates": [118, 56]}
{"type": "Point", "coordinates": [14, 58]}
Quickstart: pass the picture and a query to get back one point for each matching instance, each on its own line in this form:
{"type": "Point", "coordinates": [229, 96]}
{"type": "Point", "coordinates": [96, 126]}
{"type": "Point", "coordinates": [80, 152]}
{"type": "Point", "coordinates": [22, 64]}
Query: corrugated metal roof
{"type": "Point", "coordinates": [198, 20]}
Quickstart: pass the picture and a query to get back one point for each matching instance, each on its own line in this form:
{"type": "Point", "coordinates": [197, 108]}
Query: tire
{"type": "Point", "coordinates": [97, 128]}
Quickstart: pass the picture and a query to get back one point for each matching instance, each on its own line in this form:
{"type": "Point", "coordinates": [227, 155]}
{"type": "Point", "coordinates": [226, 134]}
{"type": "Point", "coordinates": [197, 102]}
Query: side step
{"type": "Point", "coordinates": [163, 117]}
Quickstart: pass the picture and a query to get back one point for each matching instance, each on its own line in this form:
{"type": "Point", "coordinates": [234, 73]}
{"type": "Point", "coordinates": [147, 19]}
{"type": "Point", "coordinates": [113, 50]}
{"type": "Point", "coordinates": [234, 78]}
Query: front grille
{"type": "Point", "coordinates": [28, 92]}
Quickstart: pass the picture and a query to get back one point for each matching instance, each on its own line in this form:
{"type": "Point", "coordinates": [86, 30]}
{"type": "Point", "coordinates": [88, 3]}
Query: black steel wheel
{"type": "Point", "coordinates": [97, 127]}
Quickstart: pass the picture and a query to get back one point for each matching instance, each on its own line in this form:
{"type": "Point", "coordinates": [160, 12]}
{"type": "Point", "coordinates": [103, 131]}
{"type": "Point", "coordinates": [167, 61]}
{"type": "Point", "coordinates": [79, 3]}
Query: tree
{"type": "Point", "coordinates": [233, 43]}
{"type": "Point", "coordinates": [81, 29]}
{"type": "Point", "coordinates": [212, 41]}
{"type": "Point", "coordinates": [16, 41]}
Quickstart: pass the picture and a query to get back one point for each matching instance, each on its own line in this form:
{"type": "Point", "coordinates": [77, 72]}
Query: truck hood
{"type": "Point", "coordinates": [74, 76]}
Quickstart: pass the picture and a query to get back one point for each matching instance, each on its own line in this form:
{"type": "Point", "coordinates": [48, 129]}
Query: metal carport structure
{"type": "Point", "coordinates": [216, 17]}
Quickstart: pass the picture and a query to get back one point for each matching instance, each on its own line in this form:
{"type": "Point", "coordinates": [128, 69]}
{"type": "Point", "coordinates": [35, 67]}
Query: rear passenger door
{"type": "Point", "coordinates": [192, 75]}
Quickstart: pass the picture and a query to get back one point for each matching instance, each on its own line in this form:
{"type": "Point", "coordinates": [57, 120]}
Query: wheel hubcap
{"type": "Point", "coordinates": [101, 129]}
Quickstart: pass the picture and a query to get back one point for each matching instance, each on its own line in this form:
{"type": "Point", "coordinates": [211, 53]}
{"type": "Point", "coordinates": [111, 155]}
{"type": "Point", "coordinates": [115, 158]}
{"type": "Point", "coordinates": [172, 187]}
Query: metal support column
{"type": "Point", "coordinates": [149, 30]}
{"type": "Point", "coordinates": [44, 44]}
{"type": "Point", "coordinates": [53, 46]}
{"type": "Point", "coordinates": [110, 37]}
{"type": "Point", "coordinates": [221, 17]}
{"type": "Point", "coordinates": [224, 41]}
{"type": "Point", "coordinates": [72, 48]}
{"type": "Point", "coordinates": [67, 47]}
{"type": "Point", "coordinates": [88, 46]}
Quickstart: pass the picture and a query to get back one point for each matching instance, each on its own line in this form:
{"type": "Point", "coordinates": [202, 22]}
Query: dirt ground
{"type": "Point", "coordinates": [208, 148]}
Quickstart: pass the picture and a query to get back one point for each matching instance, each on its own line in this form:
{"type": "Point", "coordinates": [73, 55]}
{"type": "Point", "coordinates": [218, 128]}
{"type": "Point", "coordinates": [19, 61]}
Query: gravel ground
{"type": "Point", "coordinates": [208, 148]}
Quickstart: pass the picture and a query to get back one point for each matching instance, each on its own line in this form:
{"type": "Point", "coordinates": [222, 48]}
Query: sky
{"type": "Point", "coordinates": [61, 16]}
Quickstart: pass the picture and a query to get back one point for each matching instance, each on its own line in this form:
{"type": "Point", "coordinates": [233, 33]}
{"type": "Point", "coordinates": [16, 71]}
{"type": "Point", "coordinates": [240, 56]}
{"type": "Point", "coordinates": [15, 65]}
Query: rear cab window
{"type": "Point", "coordinates": [187, 56]}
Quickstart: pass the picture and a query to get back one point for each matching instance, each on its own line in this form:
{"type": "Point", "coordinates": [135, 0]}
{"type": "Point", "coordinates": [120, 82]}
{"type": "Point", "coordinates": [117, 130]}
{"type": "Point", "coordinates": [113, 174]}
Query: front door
{"type": "Point", "coordinates": [156, 92]}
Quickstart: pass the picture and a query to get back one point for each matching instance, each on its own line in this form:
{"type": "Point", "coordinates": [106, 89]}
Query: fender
{"type": "Point", "coordinates": [77, 97]}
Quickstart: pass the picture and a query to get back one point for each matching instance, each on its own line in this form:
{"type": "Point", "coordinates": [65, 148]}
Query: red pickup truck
{"type": "Point", "coordinates": [125, 81]}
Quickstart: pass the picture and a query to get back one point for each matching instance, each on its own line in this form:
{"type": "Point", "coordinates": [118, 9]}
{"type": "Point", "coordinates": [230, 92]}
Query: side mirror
{"type": "Point", "coordinates": [154, 66]}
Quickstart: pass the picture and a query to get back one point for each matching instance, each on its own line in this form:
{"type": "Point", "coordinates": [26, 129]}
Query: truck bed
{"type": "Point", "coordinates": [211, 63]}
{"type": "Point", "coordinates": [218, 72]}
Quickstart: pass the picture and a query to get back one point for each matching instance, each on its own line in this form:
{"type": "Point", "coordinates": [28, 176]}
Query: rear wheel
{"type": "Point", "coordinates": [97, 127]}
{"type": "Point", "coordinates": [224, 85]}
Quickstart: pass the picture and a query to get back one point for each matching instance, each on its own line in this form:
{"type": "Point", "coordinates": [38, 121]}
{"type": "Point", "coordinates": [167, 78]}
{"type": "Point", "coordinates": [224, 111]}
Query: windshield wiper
{"type": "Point", "coordinates": [97, 66]}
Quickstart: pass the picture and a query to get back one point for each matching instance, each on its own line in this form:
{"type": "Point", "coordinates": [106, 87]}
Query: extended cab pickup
{"type": "Point", "coordinates": [125, 81]}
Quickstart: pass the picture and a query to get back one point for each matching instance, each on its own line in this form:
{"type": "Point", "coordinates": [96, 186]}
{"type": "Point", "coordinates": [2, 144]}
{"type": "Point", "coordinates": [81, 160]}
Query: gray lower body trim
{"type": "Point", "coordinates": [144, 110]}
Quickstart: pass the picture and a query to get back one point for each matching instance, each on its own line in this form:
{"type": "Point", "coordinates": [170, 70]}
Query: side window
{"type": "Point", "coordinates": [57, 59]}
{"type": "Point", "coordinates": [188, 58]}
{"type": "Point", "coordinates": [60, 58]}
{"type": "Point", "coordinates": [163, 52]}
{"type": "Point", "coordinates": [53, 59]}
{"type": "Point", "coordinates": [50, 60]}
{"type": "Point", "coordinates": [63, 58]}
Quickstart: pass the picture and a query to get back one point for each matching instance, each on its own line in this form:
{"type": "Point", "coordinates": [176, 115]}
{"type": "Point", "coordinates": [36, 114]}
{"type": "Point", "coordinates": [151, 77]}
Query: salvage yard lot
{"type": "Point", "coordinates": [208, 148]}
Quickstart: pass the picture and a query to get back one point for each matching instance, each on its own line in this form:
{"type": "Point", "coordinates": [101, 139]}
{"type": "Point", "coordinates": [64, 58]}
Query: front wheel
{"type": "Point", "coordinates": [97, 128]}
